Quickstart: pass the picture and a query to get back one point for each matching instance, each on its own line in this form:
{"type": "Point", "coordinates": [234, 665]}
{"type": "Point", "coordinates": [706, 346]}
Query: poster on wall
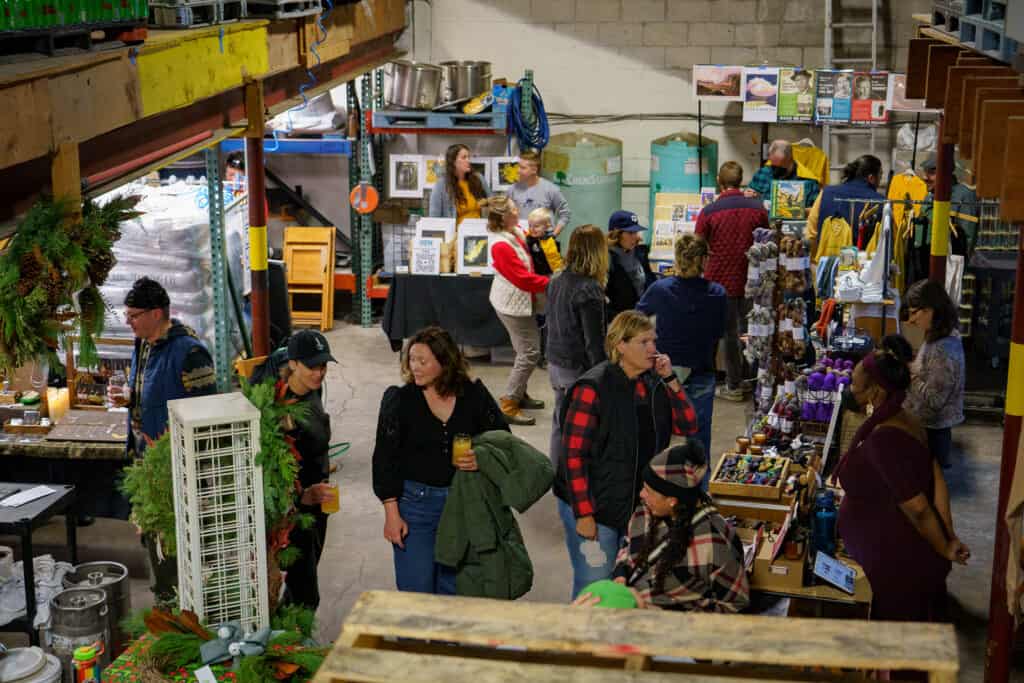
{"type": "Point", "coordinates": [896, 97]}
{"type": "Point", "coordinates": [796, 95]}
{"type": "Point", "coordinates": [760, 94]}
{"type": "Point", "coordinates": [431, 168]}
{"type": "Point", "coordinates": [473, 252]}
{"type": "Point", "coordinates": [405, 179]}
{"type": "Point", "coordinates": [664, 236]}
{"type": "Point", "coordinates": [425, 257]}
{"type": "Point", "coordinates": [718, 82]}
{"type": "Point", "coordinates": [504, 173]}
{"type": "Point", "coordinates": [834, 95]}
{"type": "Point", "coordinates": [870, 90]}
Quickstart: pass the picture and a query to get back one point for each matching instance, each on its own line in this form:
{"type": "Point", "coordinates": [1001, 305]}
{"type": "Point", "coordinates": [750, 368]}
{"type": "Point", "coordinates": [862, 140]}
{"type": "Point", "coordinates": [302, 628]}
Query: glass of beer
{"type": "Point", "coordinates": [461, 446]}
{"type": "Point", "coordinates": [333, 505]}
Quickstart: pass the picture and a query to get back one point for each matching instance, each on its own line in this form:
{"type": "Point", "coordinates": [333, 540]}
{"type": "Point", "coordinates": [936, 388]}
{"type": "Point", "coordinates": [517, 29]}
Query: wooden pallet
{"type": "Point", "coordinates": [283, 9]}
{"type": "Point", "coordinates": [416, 638]}
{"type": "Point", "coordinates": [90, 37]}
{"type": "Point", "coordinates": [432, 120]}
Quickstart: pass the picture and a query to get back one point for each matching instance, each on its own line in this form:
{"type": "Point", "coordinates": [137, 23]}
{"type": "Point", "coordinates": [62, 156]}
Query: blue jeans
{"type": "Point", "coordinates": [582, 573]}
{"type": "Point", "coordinates": [415, 570]}
{"type": "Point", "coordinates": [700, 389]}
{"type": "Point", "coordinates": [561, 380]}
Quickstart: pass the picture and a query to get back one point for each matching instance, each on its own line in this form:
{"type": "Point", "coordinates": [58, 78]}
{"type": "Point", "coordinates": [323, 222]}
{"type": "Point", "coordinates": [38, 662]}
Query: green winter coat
{"type": "Point", "coordinates": [478, 534]}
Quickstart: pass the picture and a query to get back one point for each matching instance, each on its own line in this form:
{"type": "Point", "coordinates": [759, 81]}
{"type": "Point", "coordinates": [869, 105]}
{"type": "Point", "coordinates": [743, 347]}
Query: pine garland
{"type": "Point", "coordinates": [147, 484]}
{"type": "Point", "coordinates": [50, 258]}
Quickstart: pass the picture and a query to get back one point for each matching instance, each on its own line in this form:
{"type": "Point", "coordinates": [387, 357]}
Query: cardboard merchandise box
{"type": "Point", "coordinates": [782, 575]}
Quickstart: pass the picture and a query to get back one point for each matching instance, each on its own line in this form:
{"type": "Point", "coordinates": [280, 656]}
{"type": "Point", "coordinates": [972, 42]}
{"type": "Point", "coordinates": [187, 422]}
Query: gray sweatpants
{"type": "Point", "coordinates": [525, 335]}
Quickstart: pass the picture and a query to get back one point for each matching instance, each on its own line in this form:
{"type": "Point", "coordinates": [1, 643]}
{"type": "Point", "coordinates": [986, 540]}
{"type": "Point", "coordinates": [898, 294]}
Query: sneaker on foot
{"type": "Point", "coordinates": [735, 395]}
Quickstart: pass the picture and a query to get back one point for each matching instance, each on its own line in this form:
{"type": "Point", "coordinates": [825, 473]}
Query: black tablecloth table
{"type": "Point", "coordinates": [23, 520]}
{"type": "Point", "coordinates": [458, 303]}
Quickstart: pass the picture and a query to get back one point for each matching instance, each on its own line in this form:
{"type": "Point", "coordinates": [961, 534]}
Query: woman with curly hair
{"type": "Point", "coordinates": [680, 553]}
{"type": "Point", "coordinates": [412, 459]}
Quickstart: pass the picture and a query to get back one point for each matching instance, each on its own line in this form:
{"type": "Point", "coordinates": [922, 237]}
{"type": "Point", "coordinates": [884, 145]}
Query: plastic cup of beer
{"type": "Point", "coordinates": [333, 503]}
{"type": "Point", "coordinates": [461, 447]}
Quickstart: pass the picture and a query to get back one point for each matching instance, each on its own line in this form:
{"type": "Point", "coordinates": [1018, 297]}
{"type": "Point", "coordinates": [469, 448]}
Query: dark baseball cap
{"type": "Point", "coordinates": [929, 165]}
{"type": "Point", "coordinates": [626, 221]}
{"type": "Point", "coordinates": [310, 348]}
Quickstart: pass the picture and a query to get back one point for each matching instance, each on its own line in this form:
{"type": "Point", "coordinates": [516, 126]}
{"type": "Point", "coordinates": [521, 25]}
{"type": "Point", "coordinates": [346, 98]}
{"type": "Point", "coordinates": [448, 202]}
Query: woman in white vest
{"type": "Point", "coordinates": [512, 295]}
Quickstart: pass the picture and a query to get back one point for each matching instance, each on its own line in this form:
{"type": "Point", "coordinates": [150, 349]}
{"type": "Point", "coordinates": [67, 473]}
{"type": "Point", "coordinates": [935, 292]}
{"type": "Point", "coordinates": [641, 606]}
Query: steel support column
{"type": "Point", "coordinates": [1000, 624]}
{"type": "Point", "coordinates": [221, 313]}
{"type": "Point", "coordinates": [257, 190]}
{"type": "Point", "coordinates": [940, 209]}
{"type": "Point", "coordinates": [362, 267]}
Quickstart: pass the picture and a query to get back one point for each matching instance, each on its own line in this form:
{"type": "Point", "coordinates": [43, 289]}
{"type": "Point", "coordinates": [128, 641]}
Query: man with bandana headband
{"type": "Point", "coordinates": [782, 166]}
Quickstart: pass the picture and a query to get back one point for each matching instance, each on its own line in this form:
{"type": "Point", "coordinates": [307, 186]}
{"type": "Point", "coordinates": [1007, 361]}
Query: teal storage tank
{"type": "Point", "coordinates": [674, 160]}
{"type": "Point", "coordinates": [588, 170]}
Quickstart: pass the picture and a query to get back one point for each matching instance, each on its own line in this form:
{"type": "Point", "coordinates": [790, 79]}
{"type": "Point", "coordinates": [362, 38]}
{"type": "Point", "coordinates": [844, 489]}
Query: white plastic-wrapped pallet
{"type": "Point", "coordinates": [170, 243]}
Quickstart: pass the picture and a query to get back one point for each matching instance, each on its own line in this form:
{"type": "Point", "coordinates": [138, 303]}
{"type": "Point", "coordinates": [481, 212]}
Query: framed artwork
{"type": "Point", "coordinates": [405, 179]}
{"type": "Point", "coordinates": [718, 82]}
{"type": "Point", "coordinates": [482, 165]}
{"type": "Point", "coordinates": [441, 228]}
{"type": "Point", "coordinates": [473, 254]}
{"type": "Point", "coordinates": [431, 168]}
{"type": "Point", "coordinates": [504, 173]}
{"type": "Point", "coordinates": [425, 257]}
{"type": "Point", "coordinates": [760, 94]}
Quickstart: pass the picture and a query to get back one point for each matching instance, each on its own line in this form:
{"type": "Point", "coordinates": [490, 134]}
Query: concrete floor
{"type": "Point", "coordinates": [357, 557]}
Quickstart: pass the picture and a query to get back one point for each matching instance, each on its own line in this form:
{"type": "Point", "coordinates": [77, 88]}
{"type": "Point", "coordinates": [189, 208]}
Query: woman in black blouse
{"type": "Point", "coordinates": [412, 461]}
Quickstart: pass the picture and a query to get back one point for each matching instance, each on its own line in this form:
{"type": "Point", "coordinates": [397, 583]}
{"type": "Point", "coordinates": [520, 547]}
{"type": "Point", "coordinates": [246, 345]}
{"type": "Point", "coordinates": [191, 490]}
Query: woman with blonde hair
{"type": "Point", "coordinates": [690, 313]}
{"type": "Point", "coordinates": [575, 318]}
{"type": "Point", "coordinates": [512, 296]}
{"type": "Point", "coordinates": [618, 415]}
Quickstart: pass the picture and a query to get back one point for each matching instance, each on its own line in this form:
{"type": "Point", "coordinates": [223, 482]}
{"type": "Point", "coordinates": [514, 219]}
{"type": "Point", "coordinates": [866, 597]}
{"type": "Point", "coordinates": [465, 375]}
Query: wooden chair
{"type": "Point", "coordinates": [309, 264]}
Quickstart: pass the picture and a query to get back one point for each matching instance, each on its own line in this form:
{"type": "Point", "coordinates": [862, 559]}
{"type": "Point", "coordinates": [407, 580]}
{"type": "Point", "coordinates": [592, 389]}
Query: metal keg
{"type": "Point", "coordinates": [78, 616]}
{"type": "Point", "coordinates": [414, 85]}
{"type": "Point", "coordinates": [112, 578]}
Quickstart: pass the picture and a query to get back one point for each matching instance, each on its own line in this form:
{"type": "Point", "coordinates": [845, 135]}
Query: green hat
{"type": "Point", "coordinates": [612, 595]}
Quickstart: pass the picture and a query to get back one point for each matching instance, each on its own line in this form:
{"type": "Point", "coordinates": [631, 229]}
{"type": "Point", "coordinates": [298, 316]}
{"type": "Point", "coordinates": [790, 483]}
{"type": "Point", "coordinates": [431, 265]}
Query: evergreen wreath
{"type": "Point", "coordinates": [51, 272]}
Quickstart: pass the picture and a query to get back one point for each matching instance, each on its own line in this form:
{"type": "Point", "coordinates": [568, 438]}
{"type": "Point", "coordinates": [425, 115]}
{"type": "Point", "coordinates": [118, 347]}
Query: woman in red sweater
{"type": "Point", "coordinates": [512, 296]}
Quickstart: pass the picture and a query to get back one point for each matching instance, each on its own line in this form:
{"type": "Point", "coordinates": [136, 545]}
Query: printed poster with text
{"type": "Point", "coordinates": [869, 97]}
{"type": "Point", "coordinates": [834, 96]}
{"type": "Point", "coordinates": [760, 94]}
{"type": "Point", "coordinates": [796, 95]}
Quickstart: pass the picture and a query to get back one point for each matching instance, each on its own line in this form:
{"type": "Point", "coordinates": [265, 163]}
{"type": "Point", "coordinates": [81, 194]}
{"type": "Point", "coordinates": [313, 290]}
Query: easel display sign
{"type": "Point", "coordinates": [425, 257]}
{"type": "Point", "coordinates": [474, 252]}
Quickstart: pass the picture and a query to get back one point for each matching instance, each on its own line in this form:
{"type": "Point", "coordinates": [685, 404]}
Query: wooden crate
{"type": "Point", "coordinates": [748, 490]}
{"type": "Point", "coordinates": [416, 638]}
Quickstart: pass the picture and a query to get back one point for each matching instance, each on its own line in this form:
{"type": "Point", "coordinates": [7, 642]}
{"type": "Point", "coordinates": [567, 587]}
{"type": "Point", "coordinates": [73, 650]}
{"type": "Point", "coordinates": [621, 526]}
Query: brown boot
{"type": "Point", "coordinates": [510, 409]}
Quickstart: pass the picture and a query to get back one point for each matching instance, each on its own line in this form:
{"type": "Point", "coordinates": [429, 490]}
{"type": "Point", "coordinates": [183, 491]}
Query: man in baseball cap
{"type": "Point", "coordinates": [629, 271]}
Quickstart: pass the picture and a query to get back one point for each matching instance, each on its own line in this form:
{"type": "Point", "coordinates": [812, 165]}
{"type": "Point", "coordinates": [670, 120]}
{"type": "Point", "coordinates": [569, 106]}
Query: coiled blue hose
{"type": "Point", "coordinates": [530, 137]}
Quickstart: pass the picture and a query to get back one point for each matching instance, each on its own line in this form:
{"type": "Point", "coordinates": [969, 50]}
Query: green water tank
{"type": "Point", "coordinates": [588, 170]}
{"type": "Point", "coordinates": [674, 160]}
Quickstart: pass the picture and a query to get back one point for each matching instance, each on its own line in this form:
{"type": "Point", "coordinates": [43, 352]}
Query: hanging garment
{"type": "Point", "coordinates": [902, 187]}
{"type": "Point", "coordinates": [836, 233]}
{"type": "Point", "coordinates": [814, 160]}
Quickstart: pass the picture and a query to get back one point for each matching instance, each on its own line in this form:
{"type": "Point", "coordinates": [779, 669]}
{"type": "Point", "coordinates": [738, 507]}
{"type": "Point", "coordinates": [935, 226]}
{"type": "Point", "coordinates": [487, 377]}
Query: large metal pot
{"type": "Point", "coordinates": [112, 579]}
{"type": "Point", "coordinates": [414, 85]}
{"type": "Point", "coordinates": [78, 616]}
{"type": "Point", "coordinates": [465, 79]}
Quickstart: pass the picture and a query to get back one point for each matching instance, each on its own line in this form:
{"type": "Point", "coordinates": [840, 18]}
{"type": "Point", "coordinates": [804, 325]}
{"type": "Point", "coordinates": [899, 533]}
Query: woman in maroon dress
{"type": "Point", "coordinates": [895, 518]}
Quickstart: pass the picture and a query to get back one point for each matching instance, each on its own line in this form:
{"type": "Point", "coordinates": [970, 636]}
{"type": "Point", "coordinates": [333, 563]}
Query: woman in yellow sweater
{"type": "Point", "coordinates": [458, 193]}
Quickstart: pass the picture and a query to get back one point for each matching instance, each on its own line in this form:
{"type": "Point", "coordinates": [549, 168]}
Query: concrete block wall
{"type": "Point", "coordinates": [600, 57]}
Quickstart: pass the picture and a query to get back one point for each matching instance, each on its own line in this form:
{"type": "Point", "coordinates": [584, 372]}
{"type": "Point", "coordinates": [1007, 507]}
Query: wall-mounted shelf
{"type": "Point", "coordinates": [325, 145]}
{"type": "Point", "coordinates": [400, 121]}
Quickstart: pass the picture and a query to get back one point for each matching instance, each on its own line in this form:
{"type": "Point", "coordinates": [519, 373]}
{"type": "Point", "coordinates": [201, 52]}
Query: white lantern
{"type": "Point", "coordinates": [218, 508]}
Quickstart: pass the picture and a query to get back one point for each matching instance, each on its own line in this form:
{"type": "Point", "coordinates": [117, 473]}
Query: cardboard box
{"type": "Point", "coordinates": [782, 575]}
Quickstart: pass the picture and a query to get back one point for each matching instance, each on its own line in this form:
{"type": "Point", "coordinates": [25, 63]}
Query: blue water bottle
{"type": "Point", "coordinates": [823, 526]}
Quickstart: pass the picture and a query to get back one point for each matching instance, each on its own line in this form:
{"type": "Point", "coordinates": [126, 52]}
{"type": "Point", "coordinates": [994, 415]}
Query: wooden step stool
{"type": "Point", "coordinates": [309, 264]}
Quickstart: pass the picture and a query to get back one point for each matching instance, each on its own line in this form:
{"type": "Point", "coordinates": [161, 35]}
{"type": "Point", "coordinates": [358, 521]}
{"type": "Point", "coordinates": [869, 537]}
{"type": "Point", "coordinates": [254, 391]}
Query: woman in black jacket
{"type": "Point", "coordinates": [412, 459]}
{"type": "Point", "coordinates": [575, 319]}
{"type": "Point", "coordinates": [629, 270]}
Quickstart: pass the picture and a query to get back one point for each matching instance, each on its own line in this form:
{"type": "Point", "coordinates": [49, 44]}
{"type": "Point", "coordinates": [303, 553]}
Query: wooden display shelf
{"type": "Point", "coordinates": [418, 638]}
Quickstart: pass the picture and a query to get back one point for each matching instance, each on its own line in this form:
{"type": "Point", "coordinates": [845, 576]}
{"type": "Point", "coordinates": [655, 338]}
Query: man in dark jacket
{"type": "Point", "coordinates": [728, 225]}
{"type": "Point", "coordinates": [169, 362]}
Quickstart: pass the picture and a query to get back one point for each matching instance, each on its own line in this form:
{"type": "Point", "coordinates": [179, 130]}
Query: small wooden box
{"type": "Point", "coordinates": [38, 430]}
{"type": "Point", "coordinates": [748, 490]}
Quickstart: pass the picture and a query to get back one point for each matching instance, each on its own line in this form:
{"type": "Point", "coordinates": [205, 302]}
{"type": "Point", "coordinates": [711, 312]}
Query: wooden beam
{"type": "Point", "coordinates": [917, 67]}
{"type": "Point", "coordinates": [954, 94]}
{"type": "Point", "coordinates": [973, 59]}
{"type": "Point", "coordinates": [1011, 195]}
{"type": "Point", "coordinates": [972, 111]}
{"type": "Point", "coordinates": [66, 176]}
{"type": "Point", "coordinates": [990, 142]}
{"type": "Point", "coordinates": [940, 58]}
{"type": "Point", "coordinates": [255, 109]}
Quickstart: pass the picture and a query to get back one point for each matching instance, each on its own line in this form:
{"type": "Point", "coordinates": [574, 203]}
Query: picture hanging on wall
{"type": "Point", "coordinates": [431, 168]}
{"type": "Point", "coordinates": [834, 95]}
{"type": "Point", "coordinates": [796, 94]}
{"type": "Point", "coordinates": [474, 254]}
{"type": "Point", "coordinates": [425, 258]}
{"type": "Point", "coordinates": [869, 95]}
{"type": "Point", "coordinates": [405, 179]}
{"type": "Point", "coordinates": [718, 82]}
{"type": "Point", "coordinates": [482, 165]}
{"type": "Point", "coordinates": [504, 173]}
{"type": "Point", "coordinates": [761, 94]}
